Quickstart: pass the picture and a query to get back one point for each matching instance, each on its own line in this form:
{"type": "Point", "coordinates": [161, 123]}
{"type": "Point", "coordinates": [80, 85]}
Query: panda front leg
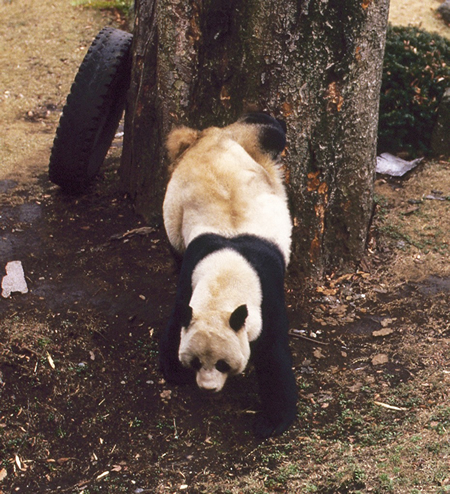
{"type": "Point", "coordinates": [277, 390]}
{"type": "Point", "coordinates": [173, 371]}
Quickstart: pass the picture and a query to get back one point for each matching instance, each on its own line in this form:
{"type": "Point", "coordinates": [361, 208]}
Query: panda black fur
{"type": "Point", "coordinates": [226, 211]}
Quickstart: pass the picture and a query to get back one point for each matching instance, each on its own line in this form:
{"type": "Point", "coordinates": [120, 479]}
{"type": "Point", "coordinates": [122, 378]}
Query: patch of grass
{"type": "Point", "coordinates": [124, 7]}
{"type": "Point", "coordinates": [43, 342]}
{"type": "Point", "coordinates": [136, 422]}
{"type": "Point", "coordinates": [386, 483]}
{"type": "Point", "coordinates": [60, 432]}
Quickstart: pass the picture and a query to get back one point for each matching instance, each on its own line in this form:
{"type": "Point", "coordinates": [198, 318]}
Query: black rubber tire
{"type": "Point", "coordinates": [92, 112]}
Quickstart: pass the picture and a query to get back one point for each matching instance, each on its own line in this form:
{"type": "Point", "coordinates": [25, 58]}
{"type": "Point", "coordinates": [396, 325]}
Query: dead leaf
{"type": "Point", "coordinates": [344, 277]}
{"type": "Point", "coordinates": [166, 394]}
{"type": "Point", "coordinates": [411, 210]}
{"type": "Point", "coordinates": [355, 388]}
{"type": "Point", "coordinates": [326, 291]}
{"type": "Point", "coordinates": [387, 322]}
{"type": "Point", "coordinates": [380, 359]}
{"type": "Point", "coordinates": [318, 353]}
{"type": "Point", "coordinates": [61, 461]}
{"type": "Point", "coordinates": [383, 332]}
{"type": "Point", "coordinates": [3, 474]}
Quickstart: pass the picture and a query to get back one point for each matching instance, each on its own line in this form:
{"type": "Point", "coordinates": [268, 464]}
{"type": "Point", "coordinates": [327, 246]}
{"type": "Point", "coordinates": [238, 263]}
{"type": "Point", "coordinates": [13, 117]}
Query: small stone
{"type": "Point", "coordinates": [444, 10]}
{"type": "Point", "coordinates": [380, 359]}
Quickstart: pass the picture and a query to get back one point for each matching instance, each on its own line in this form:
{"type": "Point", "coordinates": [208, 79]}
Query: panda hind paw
{"type": "Point", "coordinates": [263, 427]}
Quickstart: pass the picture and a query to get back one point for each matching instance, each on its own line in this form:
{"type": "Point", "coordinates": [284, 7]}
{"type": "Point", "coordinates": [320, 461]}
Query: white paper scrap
{"type": "Point", "coordinates": [14, 281]}
{"type": "Point", "coordinates": [388, 164]}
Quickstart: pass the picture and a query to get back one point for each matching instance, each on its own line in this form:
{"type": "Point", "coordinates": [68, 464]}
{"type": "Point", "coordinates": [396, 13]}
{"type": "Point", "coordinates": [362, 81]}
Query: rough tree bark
{"type": "Point", "coordinates": [315, 63]}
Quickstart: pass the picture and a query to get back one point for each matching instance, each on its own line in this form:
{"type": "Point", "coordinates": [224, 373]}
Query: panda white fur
{"type": "Point", "coordinates": [226, 212]}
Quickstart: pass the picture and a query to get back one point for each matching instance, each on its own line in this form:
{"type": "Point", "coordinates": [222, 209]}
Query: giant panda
{"type": "Point", "coordinates": [226, 212]}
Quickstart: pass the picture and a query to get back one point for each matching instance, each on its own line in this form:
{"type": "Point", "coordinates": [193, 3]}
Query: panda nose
{"type": "Point", "coordinates": [208, 389]}
{"type": "Point", "coordinates": [208, 386]}
{"type": "Point", "coordinates": [207, 380]}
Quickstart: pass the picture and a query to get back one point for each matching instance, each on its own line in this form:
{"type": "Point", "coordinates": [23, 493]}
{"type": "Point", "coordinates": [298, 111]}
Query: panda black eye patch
{"type": "Point", "coordinates": [223, 366]}
{"type": "Point", "coordinates": [195, 364]}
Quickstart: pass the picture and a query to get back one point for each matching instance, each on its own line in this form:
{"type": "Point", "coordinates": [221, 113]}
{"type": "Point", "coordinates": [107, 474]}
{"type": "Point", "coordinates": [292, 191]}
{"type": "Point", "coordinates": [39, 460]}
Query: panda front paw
{"type": "Point", "coordinates": [174, 372]}
{"type": "Point", "coordinates": [264, 427]}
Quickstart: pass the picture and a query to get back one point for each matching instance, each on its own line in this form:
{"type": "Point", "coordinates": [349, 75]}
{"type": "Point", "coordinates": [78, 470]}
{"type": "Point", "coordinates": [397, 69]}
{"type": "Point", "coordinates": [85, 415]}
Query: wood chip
{"type": "Point", "coordinates": [50, 361]}
{"type": "Point", "coordinates": [383, 332]}
{"type": "Point", "coordinates": [3, 474]}
{"type": "Point", "coordinates": [390, 407]}
{"type": "Point", "coordinates": [104, 474]}
{"type": "Point", "coordinates": [297, 334]}
{"type": "Point", "coordinates": [145, 230]}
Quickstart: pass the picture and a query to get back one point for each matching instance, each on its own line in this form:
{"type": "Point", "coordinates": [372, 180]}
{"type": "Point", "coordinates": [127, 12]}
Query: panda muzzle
{"type": "Point", "coordinates": [211, 380]}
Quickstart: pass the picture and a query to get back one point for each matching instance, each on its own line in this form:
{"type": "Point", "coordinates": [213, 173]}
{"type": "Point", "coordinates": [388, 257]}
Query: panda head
{"type": "Point", "coordinates": [214, 345]}
{"type": "Point", "coordinates": [260, 134]}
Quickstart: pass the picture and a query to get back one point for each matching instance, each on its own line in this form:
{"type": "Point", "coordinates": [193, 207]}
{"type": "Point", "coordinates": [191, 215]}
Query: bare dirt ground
{"type": "Point", "coordinates": [419, 13]}
{"type": "Point", "coordinates": [83, 407]}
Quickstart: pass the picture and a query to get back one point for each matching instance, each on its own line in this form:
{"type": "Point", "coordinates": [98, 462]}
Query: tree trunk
{"type": "Point", "coordinates": [315, 63]}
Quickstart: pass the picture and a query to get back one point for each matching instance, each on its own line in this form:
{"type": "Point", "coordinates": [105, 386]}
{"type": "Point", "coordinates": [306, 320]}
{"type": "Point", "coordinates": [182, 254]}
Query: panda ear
{"type": "Point", "coordinates": [238, 317]}
{"type": "Point", "coordinates": [185, 316]}
{"type": "Point", "coordinates": [179, 140]}
{"type": "Point", "coordinates": [270, 133]}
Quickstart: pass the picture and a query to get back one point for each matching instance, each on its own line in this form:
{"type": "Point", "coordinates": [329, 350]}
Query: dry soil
{"type": "Point", "coordinates": [83, 407]}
